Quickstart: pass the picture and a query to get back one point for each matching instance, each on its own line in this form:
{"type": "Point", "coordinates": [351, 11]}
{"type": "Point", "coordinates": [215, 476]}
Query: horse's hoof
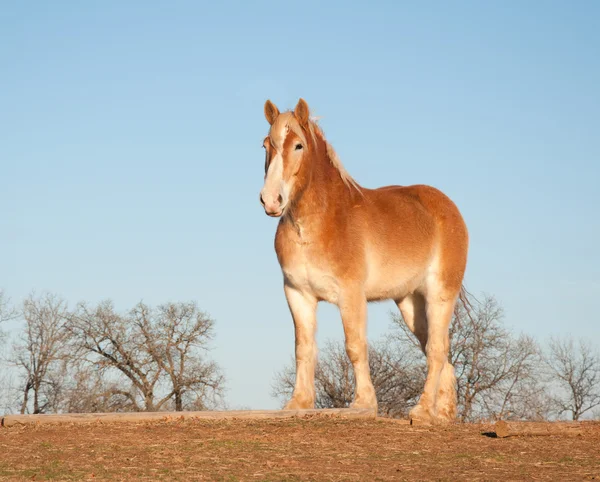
{"type": "Point", "coordinates": [363, 403]}
{"type": "Point", "coordinates": [420, 416]}
{"type": "Point", "coordinates": [295, 404]}
{"type": "Point", "coordinates": [444, 417]}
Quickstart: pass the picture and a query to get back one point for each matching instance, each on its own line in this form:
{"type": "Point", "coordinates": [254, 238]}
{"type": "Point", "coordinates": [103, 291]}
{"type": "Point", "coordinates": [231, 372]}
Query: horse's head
{"type": "Point", "coordinates": [285, 147]}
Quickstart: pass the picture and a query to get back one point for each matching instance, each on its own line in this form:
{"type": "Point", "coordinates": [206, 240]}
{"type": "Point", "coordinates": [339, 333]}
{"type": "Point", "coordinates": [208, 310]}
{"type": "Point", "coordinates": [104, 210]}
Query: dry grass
{"type": "Point", "coordinates": [292, 449]}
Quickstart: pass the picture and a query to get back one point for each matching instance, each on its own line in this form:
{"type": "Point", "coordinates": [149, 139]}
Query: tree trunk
{"type": "Point", "coordinates": [25, 397]}
{"type": "Point", "coordinates": [149, 403]}
{"type": "Point", "coordinates": [36, 399]}
{"type": "Point", "coordinates": [178, 402]}
{"type": "Point", "coordinates": [468, 405]}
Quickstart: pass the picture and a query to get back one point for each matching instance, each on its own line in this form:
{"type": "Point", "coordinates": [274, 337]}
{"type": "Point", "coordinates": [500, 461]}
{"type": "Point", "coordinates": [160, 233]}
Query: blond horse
{"type": "Point", "coordinates": [341, 243]}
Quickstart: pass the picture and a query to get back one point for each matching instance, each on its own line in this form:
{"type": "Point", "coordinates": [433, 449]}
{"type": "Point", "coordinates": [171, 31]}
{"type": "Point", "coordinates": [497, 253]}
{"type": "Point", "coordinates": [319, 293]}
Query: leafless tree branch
{"type": "Point", "coordinates": [576, 370]}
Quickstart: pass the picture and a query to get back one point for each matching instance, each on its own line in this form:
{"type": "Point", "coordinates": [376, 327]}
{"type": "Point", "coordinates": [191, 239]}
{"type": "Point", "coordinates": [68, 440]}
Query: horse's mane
{"type": "Point", "coordinates": [315, 131]}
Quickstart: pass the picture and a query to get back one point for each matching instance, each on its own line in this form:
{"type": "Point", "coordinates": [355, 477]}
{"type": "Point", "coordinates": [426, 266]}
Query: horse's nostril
{"type": "Point", "coordinates": [280, 199]}
{"type": "Point", "coordinates": [261, 199]}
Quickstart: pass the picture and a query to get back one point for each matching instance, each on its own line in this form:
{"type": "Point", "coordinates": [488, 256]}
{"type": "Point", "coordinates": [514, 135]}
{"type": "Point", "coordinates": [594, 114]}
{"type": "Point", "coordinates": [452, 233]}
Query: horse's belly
{"type": "Point", "coordinates": [389, 281]}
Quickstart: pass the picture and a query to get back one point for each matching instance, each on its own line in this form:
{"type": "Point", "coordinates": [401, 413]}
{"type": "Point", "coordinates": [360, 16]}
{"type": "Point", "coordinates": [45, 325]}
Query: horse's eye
{"type": "Point", "coordinates": [298, 147]}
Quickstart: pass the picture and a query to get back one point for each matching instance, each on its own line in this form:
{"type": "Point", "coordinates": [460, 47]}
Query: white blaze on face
{"type": "Point", "coordinates": [275, 191]}
{"type": "Point", "coordinates": [271, 191]}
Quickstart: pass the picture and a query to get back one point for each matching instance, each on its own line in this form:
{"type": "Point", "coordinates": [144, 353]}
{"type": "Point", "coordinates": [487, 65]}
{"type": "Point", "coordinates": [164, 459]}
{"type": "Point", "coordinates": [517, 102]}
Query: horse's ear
{"type": "Point", "coordinates": [271, 112]}
{"type": "Point", "coordinates": [301, 112]}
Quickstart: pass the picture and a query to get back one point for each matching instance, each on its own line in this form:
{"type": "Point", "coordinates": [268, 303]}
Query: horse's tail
{"type": "Point", "coordinates": [465, 302]}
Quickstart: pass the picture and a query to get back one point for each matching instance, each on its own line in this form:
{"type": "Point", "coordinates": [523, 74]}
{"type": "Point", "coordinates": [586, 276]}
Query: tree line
{"type": "Point", "coordinates": [93, 358]}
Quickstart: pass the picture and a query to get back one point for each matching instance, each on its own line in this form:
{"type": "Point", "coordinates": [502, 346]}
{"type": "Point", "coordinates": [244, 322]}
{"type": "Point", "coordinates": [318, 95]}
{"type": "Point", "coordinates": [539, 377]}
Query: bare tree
{"type": "Point", "coordinates": [175, 335]}
{"type": "Point", "coordinates": [40, 352]}
{"type": "Point", "coordinates": [521, 392]}
{"type": "Point", "coordinates": [111, 342]}
{"type": "Point", "coordinates": [397, 377]}
{"type": "Point", "coordinates": [576, 371]}
{"type": "Point", "coordinates": [158, 351]}
{"type": "Point", "coordinates": [497, 374]}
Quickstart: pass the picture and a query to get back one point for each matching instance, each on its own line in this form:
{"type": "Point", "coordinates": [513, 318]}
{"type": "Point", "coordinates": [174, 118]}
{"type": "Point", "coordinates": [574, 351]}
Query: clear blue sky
{"type": "Point", "coordinates": [131, 160]}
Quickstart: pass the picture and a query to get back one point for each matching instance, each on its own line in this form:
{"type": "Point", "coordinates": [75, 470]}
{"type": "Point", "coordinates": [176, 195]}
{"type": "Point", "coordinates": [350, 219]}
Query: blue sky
{"type": "Point", "coordinates": [131, 160]}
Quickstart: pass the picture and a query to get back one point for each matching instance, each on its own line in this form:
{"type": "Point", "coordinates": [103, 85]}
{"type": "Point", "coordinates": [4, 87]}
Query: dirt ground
{"type": "Point", "coordinates": [291, 449]}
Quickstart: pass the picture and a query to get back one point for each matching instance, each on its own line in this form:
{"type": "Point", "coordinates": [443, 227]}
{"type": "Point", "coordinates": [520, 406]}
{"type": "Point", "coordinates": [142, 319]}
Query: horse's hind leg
{"type": "Point", "coordinates": [413, 312]}
{"type": "Point", "coordinates": [445, 403]}
{"type": "Point", "coordinates": [438, 398]}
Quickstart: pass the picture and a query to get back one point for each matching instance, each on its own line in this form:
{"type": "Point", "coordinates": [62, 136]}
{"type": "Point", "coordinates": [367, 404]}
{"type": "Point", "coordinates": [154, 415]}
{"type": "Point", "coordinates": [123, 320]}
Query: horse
{"type": "Point", "coordinates": [348, 245]}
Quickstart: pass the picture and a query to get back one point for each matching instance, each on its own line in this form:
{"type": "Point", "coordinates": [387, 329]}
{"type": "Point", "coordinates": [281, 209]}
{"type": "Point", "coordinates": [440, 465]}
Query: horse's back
{"type": "Point", "coordinates": [419, 201]}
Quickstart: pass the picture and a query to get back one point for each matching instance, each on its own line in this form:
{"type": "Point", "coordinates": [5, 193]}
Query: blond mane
{"type": "Point", "coordinates": [315, 130]}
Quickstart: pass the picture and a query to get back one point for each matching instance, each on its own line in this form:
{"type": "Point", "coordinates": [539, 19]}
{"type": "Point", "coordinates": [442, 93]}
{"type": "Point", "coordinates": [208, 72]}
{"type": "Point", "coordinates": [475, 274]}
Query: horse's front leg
{"type": "Point", "coordinates": [304, 312]}
{"type": "Point", "coordinates": [353, 308]}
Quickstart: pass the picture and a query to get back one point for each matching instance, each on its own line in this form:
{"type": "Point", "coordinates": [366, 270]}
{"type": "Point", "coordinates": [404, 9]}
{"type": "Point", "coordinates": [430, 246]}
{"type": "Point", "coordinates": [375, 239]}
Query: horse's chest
{"type": "Point", "coordinates": [305, 271]}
